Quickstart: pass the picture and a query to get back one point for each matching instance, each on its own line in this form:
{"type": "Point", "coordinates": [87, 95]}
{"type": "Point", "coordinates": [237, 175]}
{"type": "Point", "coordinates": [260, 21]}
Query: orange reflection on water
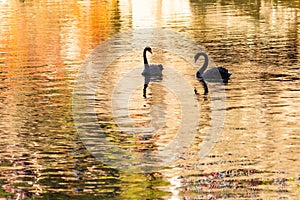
{"type": "Point", "coordinates": [42, 33]}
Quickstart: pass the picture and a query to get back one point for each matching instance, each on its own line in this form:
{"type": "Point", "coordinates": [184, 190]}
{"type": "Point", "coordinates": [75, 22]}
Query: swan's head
{"type": "Point", "coordinates": [148, 49]}
{"type": "Point", "coordinates": [199, 54]}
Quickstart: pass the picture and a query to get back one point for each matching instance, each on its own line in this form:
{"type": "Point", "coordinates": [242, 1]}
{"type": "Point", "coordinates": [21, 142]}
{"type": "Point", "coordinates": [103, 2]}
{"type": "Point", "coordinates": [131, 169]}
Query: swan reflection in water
{"type": "Point", "coordinates": [151, 72]}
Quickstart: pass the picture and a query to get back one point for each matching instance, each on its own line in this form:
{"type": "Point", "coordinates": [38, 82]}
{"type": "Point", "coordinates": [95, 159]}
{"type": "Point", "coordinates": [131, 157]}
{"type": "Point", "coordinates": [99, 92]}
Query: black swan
{"type": "Point", "coordinates": [216, 74]}
{"type": "Point", "coordinates": [151, 72]}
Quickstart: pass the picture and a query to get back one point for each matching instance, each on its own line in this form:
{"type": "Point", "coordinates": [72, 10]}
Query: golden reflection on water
{"type": "Point", "coordinates": [157, 13]}
{"type": "Point", "coordinates": [42, 46]}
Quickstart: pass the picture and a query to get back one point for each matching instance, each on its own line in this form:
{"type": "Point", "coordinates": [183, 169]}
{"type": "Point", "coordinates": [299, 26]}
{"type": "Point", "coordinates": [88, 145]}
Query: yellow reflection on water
{"type": "Point", "coordinates": [157, 13]}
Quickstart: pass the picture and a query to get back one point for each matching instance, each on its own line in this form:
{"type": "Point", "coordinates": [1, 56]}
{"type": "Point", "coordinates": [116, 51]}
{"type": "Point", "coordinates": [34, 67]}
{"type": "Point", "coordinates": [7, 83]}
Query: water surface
{"type": "Point", "coordinates": [43, 47]}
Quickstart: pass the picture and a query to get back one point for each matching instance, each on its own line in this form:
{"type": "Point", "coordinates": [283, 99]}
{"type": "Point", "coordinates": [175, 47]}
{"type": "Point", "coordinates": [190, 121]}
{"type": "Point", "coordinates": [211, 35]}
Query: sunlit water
{"type": "Point", "coordinates": [47, 51]}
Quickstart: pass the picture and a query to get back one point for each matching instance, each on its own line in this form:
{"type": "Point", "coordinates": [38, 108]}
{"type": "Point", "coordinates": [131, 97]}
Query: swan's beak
{"type": "Point", "coordinates": [150, 51]}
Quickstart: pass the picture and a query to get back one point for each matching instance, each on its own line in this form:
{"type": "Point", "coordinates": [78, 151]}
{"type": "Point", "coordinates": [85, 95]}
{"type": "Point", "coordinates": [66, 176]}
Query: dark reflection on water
{"type": "Point", "coordinates": [42, 47]}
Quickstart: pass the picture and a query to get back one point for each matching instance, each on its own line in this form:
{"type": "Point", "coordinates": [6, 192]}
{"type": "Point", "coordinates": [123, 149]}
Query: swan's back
{"type": "Point", "coordinates": [225, 74]}
{"type": "Point", "coordinates": [217, 74]}
{"type": "Point", "coordinates": [153, 70]}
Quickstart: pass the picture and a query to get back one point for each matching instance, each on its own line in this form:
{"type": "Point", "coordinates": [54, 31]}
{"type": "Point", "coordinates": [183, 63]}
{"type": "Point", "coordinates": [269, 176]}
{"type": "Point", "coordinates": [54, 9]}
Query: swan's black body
{"type": "Point", "coordinates": [216, 74]}
{"type": "Point", "coordinates": [151, 72]}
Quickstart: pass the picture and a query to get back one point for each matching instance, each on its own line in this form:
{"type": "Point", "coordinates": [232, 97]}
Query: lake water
{"type": "Point", "coordinates": [74, 123]}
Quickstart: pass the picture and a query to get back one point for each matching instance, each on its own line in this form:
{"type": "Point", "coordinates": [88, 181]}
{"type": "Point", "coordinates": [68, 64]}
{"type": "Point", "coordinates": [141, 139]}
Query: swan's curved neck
{"type": "Point", "coordinates": [145, 58]}
{"type": "Point", "coordinates": [205, 64]}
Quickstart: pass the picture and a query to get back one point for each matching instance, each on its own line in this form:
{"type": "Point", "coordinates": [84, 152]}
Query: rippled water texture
{"type": "Point", "coordinates": [74, 123]}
